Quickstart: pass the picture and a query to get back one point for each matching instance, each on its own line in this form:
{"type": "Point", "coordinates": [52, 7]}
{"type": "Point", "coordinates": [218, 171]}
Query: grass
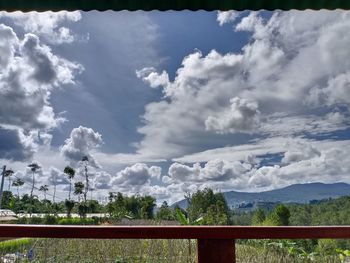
{"type": "Point", "coordinates": [14, 245]}
{"type": "Point", "coordinates": [144, 251]}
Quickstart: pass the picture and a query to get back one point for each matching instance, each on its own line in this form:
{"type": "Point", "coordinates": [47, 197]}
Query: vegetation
{"type": "Point", "coordinates": [205, 207]}
{"type": "Point", "coordinates": [210, 206]}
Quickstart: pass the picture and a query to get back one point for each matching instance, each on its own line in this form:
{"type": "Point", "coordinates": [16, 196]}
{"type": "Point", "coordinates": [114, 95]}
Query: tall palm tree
{"type": "Point", "coordinates": [70, 172]}
{"type": "Point", "coordinates": [8, 174]}
{"type": "Point", "coordinates": [34, 167]}
{"type": "Point", "coordinates": [79, 189]}
{"type": "Point", "coordinates": [44, 188]}
{"type": "Point", "coordinates": [85, 161]}
{"type": "Point", "coordinates": [18, 183]}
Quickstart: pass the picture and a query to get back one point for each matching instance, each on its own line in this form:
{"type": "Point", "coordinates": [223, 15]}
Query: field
{"type": "Point", "coordinates": [144, 251]}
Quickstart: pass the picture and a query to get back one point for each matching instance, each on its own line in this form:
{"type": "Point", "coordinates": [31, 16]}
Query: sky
{"type": "Point", "coordinates": [166, 103]}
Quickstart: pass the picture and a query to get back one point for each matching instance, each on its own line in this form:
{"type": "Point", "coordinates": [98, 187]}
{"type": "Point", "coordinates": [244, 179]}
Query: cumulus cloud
{"type": "Point", "coordinates": [102, 181]}
{"type": "Point", "coordinates": [29, 73]}
{"type": "Point", "coordinates": [214, 170]}
{"type": "Point", "coordinates": [224, 17]}
{"type": "Point", "coordinates": [27, 78]}
{"type": "Point", "coordinates": [134, 178]}
{"type": "Point", "coordinates": [81, 142]}
{"type": "Point", "coordinates": [300, 152]}
{"type": "Point", "coordinates": [16, 145]}
{"type": "Point", "coordinates": [242, 117]}
{"type": "Point", "coordinates": [48, 25]}
{"type": "Point", "coordinates": [292, 59]}
{"type": "Point", "coordinates": [151, 77]}
{"type": "Point", "coordinates": [57, 177]}
{"type": "Point", "coordinates": [336, 92]}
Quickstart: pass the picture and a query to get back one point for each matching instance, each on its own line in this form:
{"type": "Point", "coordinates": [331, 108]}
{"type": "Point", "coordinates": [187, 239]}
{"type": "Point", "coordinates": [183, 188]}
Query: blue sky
{"type": "Point", "coordinates": [165, 103]}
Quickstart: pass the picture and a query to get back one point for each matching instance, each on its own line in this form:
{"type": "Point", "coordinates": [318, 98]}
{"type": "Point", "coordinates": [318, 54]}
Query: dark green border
{"type": "Point", "coordinates": [102, 5]}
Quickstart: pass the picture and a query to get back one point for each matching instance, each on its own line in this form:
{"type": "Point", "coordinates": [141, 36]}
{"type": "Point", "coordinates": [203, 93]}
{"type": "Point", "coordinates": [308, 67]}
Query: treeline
{"type": "Point", "coordinates": [324, 212]}
{"type": "Point", "coordinates": [204, 207]}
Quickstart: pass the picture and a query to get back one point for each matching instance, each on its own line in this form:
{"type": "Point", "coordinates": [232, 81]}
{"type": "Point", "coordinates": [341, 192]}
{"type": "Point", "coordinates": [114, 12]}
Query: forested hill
{"type": "Point", "coordinates": [331, 212]}
{"type": "Point", "coordinates": [297, 193]}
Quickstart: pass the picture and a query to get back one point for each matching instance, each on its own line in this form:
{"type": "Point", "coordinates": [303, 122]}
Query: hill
{"type": "Point", "coordinates": [297, 193]}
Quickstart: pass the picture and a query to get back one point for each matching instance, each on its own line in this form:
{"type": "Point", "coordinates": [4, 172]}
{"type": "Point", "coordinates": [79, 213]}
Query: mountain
{"type": "Point", "coordinates": [296, 193]}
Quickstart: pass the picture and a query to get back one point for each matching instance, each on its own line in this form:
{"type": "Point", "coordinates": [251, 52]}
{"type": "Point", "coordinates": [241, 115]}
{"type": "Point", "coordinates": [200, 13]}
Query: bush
{"type": "Point", "coordinates": [50, 220]}
{"type": "Point", "coordinates": [35, 220]}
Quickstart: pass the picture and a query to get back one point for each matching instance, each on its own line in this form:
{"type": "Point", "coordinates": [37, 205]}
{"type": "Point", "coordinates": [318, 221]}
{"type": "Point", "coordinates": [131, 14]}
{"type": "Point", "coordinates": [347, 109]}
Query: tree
{"type": "Point", "coordinates": [34, 167]}
{"type": "Point", "coordinates": [212, 207]}
{"type": "Point", "coordinates": [165, 212]}
{"type": "Point", "coordinates": [278, 217]}
{"type": "Point", "coordinates": [85, 161]}
{"type": "Point", "coordinates": [18, 183]}
{"type": "Point", "coordinates": [258, 217]}
{"type": "Point", "coordinates": [79, 190]}
{"type": "Point", "coordinates": [283, 214]}
{"type": "Point", "coordinates": [70, 172]}
{"type": "Point", "coordinates": [44, 188]}
{"type": "Point", "coordinates": [8, 174]}
{"type": "Point", "coordinates": [69, 204]}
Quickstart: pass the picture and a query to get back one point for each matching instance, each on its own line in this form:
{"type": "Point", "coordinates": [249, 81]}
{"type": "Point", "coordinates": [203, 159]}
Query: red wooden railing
{"type": "Point", "coordinates": [215, 243]}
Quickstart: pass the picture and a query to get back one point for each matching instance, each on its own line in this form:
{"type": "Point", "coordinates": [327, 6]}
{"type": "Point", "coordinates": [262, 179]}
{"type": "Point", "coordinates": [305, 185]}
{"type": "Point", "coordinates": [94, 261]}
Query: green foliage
{"type": "Point", "coordinates": [259, 217]}
{"type": "Point", "coordinates": [165, 212]}
{"type": "Point", "coordinates": [212, 207]}
{"type": "Point", "coordinates": [69, 204]}
{"type": "Point", "coordinates": [12, 246]}
{"type": "Point", "coordinates": [78, 188]}
{"type": "Point", "coordinates": [181, 217]}
{"type": "Point", "coordinates": [330, 212]}
{"type": "Point", "coordinates": [278, 217]}
{"type": "Point", "coordinates": [82, 209]}
{"type": "Point", "coordinates": [50, 220]}
{"type": "Point", "coordinates": [79, 221]}
{"type": "Point", "coordinates": [6, 200]}
{"type": "Point", "coordinates": [344, 255]}
{"type": "Point", "coordinates": [140, 207]}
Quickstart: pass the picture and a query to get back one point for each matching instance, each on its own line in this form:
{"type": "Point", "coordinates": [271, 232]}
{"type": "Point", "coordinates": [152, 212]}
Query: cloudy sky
{"type": "Point", "coordinates": [165, 103]}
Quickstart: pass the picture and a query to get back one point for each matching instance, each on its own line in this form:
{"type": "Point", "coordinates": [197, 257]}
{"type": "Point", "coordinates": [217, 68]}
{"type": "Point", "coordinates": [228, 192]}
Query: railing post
{"type": "Point", "coordinates": [216, 250]}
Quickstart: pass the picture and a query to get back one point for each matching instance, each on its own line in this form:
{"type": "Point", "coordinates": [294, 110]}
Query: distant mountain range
{"type": "Point", "coordinates": [296, 193]}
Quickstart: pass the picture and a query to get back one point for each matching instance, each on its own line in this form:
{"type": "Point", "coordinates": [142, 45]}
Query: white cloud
{"type": "Point", "coordinates": [81, 142]}
{"type": "Point", "coordinates": [29, 72]}
{"type": "Point", "coordinates": [152, 78]}
{"type": "Point", "coordinates": [289, 56]}
{"type": "Point", "coordinates": [242, 117]}
{"type": "Point", "coordinates": [26, 81]}
{"type": "Point", "coordinates": [300, 152]}
{"type": "Point", "coordinates": [214, 170]}
{"type": "Point", "coordinates": [102, 181]}
{"type": "Point", "coordinates": [57, 177]}
{"type": "Point", "coordinates": [136, 177]}
{"type": "Point", "coordinates": [47, 25]}
{"type": "Point", "coordinates": [224, 17]}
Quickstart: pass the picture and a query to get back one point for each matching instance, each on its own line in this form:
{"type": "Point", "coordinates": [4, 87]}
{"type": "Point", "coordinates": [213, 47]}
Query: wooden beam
{"type": "Point", "coordinates": [216, 250]}
{"type": "Point", "coordinates": [175, 232]}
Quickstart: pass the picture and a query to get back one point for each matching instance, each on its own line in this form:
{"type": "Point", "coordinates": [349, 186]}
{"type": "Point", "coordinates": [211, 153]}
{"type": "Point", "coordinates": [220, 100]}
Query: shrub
{"type": "Point", "coordinates": [50, 220]}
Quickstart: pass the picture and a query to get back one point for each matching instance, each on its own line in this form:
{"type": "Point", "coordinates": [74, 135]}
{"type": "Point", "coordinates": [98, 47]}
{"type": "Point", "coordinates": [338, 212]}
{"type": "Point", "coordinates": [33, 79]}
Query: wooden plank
{"type": "Point", "coordinates": [175, 232]}
{"type": "Point", "coordinates": [216, 250]}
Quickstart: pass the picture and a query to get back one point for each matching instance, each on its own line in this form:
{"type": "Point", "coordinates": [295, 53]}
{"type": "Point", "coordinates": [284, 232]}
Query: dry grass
{"type": "Point", "coordinates": [146, 251]}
